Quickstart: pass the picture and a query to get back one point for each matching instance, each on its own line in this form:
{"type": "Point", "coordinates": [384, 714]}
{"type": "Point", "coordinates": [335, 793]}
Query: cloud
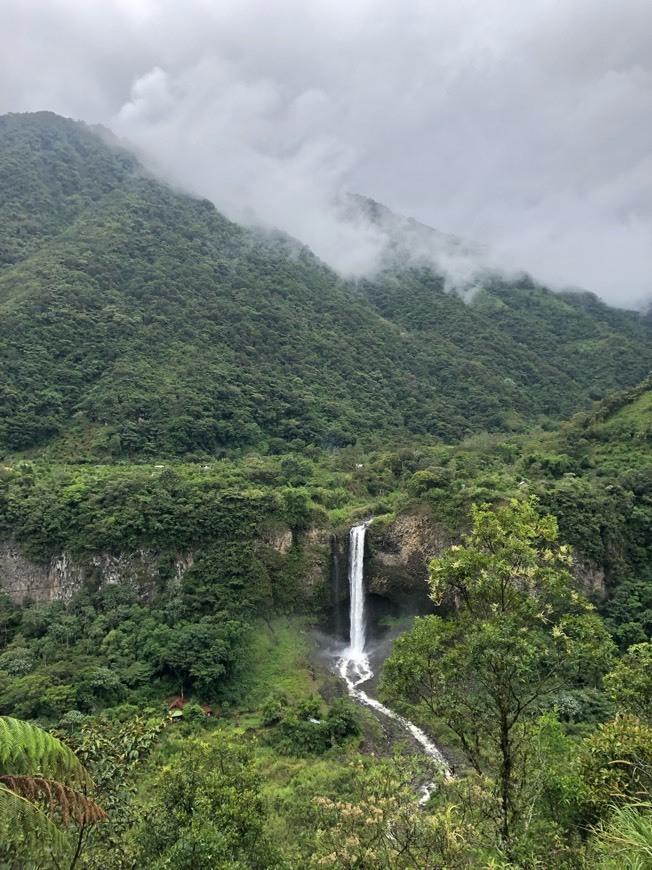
{"type": "Point", "coordinates": [527, 127]}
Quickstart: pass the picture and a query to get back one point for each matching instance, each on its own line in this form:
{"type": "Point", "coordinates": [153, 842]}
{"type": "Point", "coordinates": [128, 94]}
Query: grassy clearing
{"type": "Point", "coordinates": [280, 660]}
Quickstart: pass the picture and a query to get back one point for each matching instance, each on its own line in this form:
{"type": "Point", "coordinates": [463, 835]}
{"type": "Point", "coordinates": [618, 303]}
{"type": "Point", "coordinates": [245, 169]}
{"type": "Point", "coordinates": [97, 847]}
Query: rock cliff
{"type": "Point", "coordinates": [399, 555]}
{"type": "Point", "coordinates": [396, 566]}
{"type": "Point", "coordinates": [58, 580]}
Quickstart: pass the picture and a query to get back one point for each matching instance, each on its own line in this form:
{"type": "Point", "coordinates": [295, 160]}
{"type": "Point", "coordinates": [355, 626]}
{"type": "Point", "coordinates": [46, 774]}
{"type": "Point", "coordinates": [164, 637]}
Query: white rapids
{"type": "Point", "coordinates": [354, 666]}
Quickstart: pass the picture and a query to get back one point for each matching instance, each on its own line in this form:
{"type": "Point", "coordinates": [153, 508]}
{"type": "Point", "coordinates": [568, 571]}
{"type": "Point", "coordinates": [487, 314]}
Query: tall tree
{"type": "Point", "coordinates": [517, 635]}
{"type": "Point", "coordinates": [206, 811]}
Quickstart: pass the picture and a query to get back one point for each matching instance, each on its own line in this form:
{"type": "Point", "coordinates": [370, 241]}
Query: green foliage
{"type": "Point", "coordinates": [113, 752]}
{"type": "Point", "coordinates": [382, 825]}
{"type": "Point", "coordinates": [628, 612]}
{"type": "Point", "coordinates": [227, 578]}
{"type": "Point", "coordinates": [551, 798]}
{"type": "Point", "coordinates": [273, 708]}
{"type": "Point", "coordinates": [624, 842]}
{"type": "Point", "coordinates": [135, 321]}
{"type": "Point", "coordinates": [303, 729]}
{"type": "Point", "coordinates": [341, 719]}
{"type": "Point", "coordinates": [617, 765]}
{"type": "Point", "coordinates": [39, 777]}
{"type": "Point", "coordinates": [278, 655]}
{"type": "Point", "coordinates": [630, 683]}
{"type": "Point", "coordinates": [119, 508]}
{"type": "Point", "coordinates": [193, 714]}
{"type": "Point", "coordinates": [26, 749]}
{"type": "Point", "coordinates": [521, 634]}
{"type": "Point", "coordinates": [206, 811]}
{"type": "Point", "coordinates": [200, 655]}
{"type": "Point", "coordinates": [137, 326]}
{"type": "Point", "coordinates": [79, 169]}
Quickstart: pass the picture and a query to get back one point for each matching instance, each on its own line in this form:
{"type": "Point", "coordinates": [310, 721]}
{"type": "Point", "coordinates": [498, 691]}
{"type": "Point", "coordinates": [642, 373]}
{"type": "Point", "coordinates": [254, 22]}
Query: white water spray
{"type": "Point", "coordinates": [354, 666]}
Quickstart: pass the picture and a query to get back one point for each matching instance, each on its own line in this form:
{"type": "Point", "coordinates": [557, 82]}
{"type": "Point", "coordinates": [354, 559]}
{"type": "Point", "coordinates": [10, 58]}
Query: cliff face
{"type": "Point", "coordinates": [399, 556]}
{"type": "Point", "coordinates": [307, 556]}
{"type": "Point", "coordinates": [318, 544]}
{"type": "Point", "coordinates": [590, 579]}
{"type": "Point", "coordinates": [396, 566]}
{"type": "Point", "coordinates": [400, 553]}
{"type": "Point", "coordinates": [58, 580]}
{"type": "Point", "coordinates": [300, 558]}
{"type": "Point", "coordinates": [24, 580]}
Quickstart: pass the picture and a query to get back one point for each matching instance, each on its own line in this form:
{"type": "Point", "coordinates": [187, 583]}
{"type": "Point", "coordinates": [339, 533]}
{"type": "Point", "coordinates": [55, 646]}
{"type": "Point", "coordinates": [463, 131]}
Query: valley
{"type": "Point", "coordinates": [227, 472]}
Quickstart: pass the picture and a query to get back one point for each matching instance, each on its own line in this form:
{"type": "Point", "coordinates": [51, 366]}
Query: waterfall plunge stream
{"type": "Point", "coordinates": [354, 666]}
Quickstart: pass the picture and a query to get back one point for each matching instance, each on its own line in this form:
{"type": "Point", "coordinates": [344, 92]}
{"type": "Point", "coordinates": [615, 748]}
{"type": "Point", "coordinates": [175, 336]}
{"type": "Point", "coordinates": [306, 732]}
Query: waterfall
{"type": "Point", "coordinates": [356, 578]}
{"type": "Point", "coordinates": [354, 666]}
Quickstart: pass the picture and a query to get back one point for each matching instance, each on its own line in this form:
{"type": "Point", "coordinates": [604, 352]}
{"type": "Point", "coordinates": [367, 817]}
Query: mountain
{"type": "Point", "coordinates": [418, 263]}
{"type": "Point", "coordinates": [51, 171]}
{"type": "Point", "coordinates": [135, 321]}
{"type": "Point", "coordinates": [406, 242]}
{"type": "Point", "coordinates": [615, 435]}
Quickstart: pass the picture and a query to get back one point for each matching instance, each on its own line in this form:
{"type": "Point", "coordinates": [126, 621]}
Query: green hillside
{"type": "Point", "coordinates": [615, 433]}
{"type": "Point", "coordinates": [51, 170]}
{"type": "Point", "coordinates": [234, 630]}
{"type": "Point", "coordinates": [138, 321]}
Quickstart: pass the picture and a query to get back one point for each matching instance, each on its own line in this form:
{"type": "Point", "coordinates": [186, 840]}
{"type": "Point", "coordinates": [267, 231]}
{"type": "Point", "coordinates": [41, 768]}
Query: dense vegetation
{"type": "Point", "coordinates": [137, 321]}
{"type": "Point", "coordinates": [125, 644]}
{"type": "Point", "coordinates": [177, 395]}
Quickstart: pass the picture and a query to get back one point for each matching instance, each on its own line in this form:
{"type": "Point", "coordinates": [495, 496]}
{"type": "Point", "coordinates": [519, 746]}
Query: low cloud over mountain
{"type": "Point", "coordinates": [527, 128]}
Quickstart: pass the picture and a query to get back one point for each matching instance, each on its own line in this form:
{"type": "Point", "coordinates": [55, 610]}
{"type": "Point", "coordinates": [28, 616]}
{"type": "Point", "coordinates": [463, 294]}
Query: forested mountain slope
{"type": "Point", "coordinates": [136, 320]}
{"type": "Point", "coordinates": [51, 170]}
{"type": "Point", "coordinates": [532, 323]}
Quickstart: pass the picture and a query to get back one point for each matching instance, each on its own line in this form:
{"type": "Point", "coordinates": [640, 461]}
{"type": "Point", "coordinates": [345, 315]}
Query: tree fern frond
{"type": "Point", "coordinates": [55, 796]}
{"type": "Point", "coordinates": [28, 750]}
{"type": "Point", "coordinates": [22, 822]}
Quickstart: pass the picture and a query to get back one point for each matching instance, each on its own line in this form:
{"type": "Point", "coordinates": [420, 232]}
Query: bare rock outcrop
{"type": "Point", "coordinates": [22, 579]}
{"type": "Point", "coordinates": [318, 544]}
{"type": "Point", "coordinates": [400, 554]}
{"type": "Point", "coordinates": [279, 538]}
{"type": "Point", "coordinates": [58, 580]}
{"type": "Point", "coordinates": [590, 579]}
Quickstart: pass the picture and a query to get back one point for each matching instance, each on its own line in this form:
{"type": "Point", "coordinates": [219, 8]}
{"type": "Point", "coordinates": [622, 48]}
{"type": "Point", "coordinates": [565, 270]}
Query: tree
{"type": "Point", "coordinates": [519, 634]}
{"type": "Point", "coordinates": [206, 810]}
{"type": "Point", "coordinates": [383, 824]}
{"type": "Point", "coordinates": [629, 684]}
{"type": "Point", "coordinates": [617, 765]}
{"type": "Point", "coordinates": [41, 788]}
{"type": "Point", "coordinates": [201, 655]}
{"type": "Point", "coordinates": [113, 753]}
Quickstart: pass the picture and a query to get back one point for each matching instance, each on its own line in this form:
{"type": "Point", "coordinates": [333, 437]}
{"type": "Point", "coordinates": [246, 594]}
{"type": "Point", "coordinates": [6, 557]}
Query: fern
{"type": "Point", "coordinates": [28, 750]}
{"type": "Point", "coordinates": [23, 823]}
{"type": "Point", "coordinates": [40, 780]}
{"type": "Point", "coordinates": [55, 796]}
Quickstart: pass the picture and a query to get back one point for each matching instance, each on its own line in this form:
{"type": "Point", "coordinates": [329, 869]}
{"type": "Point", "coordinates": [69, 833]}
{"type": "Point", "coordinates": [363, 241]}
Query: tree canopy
{"type": "Point", "coordinates": [517, 635]}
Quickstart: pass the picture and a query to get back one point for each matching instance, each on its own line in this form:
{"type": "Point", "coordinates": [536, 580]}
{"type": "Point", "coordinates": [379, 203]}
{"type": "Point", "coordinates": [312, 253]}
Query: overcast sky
{"type": "Point", "coordinates": [523, 125]}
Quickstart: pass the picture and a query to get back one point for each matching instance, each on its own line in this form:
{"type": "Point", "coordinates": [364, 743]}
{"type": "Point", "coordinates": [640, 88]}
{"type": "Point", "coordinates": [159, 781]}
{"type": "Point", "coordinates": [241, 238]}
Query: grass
{"type": "Point", "coordinates": [280, 657]}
